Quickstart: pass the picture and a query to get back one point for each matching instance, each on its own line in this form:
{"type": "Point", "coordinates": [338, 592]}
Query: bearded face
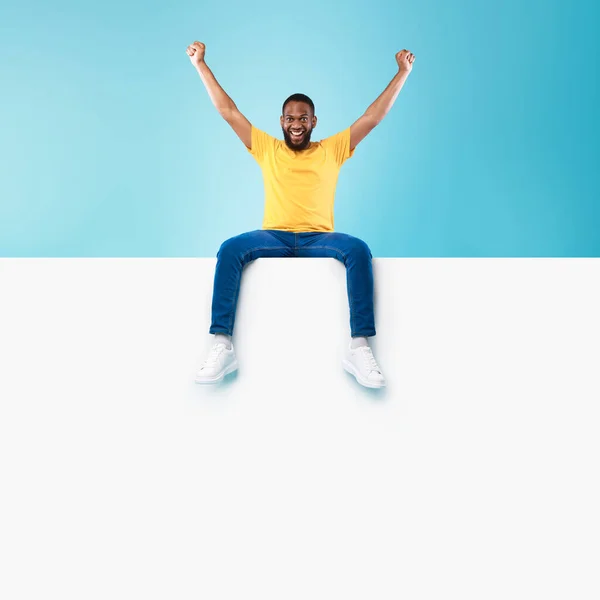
{"type": "Point", "coordinates": [297, 124]}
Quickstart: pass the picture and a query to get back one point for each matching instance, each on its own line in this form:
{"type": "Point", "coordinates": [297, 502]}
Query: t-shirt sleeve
{"type": "Point", "coordinates": [262, 143]}
{"type": "Point", "coordinates": [339, 146]}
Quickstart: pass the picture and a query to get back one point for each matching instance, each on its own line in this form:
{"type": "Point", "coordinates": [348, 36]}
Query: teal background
{"type": "Point", "coordinates": [110, 146]}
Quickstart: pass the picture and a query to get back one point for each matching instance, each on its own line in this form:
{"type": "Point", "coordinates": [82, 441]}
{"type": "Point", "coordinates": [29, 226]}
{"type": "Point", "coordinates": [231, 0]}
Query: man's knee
{"type": "Point", "coordinates": [236, 246]}
{"type": "Point", "coordinates": [358, 248]}
{"type": "Point", "coordinates": [226, 248]}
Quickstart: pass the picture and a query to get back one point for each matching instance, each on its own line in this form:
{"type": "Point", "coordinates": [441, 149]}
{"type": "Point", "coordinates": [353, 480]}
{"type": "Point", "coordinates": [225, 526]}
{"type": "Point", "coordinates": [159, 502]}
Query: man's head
{"type": "Point", "coordinates": [298, 115]}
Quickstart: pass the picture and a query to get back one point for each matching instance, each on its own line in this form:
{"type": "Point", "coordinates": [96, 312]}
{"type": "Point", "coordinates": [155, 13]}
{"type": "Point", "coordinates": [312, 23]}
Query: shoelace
{"type": "Point", "coordinates": [215, 352]}
{"type": "Point", "coordinates": [370, 359]}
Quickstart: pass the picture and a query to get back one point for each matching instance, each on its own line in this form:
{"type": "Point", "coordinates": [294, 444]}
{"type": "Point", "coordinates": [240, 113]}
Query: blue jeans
{"type": "Point", "coordinates": [236, 252]}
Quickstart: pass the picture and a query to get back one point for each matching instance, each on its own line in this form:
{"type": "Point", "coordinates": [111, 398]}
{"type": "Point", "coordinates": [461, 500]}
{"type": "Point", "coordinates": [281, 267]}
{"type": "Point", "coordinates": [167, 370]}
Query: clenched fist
{"type": "Point", "coordinates": [196, 53]}
{"type": "Point", "coordinates": [405, 60]}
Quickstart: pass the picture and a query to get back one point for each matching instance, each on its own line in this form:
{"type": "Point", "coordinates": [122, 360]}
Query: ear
{"type": "Point", "coordinates": [314, 122]}
{"type": "Point", "coordinates": [281, 120]}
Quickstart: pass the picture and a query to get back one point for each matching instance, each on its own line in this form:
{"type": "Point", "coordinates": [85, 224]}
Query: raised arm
{"type": "Point", "coordinates": [375, 113]}
{"type": "Point", "coordinates": [223, 103]}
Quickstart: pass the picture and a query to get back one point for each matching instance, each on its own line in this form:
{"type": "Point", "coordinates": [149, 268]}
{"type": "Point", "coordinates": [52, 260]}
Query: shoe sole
{"type": "Point", "coordinates": [348, 366]}
{"type": "Point", "coordinates": [218, 378]}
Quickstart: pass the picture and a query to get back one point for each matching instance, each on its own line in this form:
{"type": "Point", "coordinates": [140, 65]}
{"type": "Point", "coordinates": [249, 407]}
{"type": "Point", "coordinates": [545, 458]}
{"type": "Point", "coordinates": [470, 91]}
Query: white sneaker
{"type": "Point", "coordinates": [220, 362]}
{"type": "Point", "coordinates": [361, 363]}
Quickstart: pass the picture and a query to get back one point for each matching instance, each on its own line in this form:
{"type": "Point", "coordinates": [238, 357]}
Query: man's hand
{"type": "Point", "coordinates": [196, 53]}
{"type": "Point", "coordinates": [405, 60]}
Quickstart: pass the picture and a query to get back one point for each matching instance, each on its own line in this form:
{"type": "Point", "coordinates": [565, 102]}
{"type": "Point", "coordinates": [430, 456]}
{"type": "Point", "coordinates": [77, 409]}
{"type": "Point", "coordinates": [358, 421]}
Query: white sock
{"type": "Point", "coordinates": [222, 338]}
{"type": "Point", "coordinates": [358, 341]}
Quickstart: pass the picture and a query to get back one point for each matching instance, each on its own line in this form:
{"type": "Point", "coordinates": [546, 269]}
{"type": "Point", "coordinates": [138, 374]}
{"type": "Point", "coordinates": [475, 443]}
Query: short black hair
{"type": "Point", "coordinates": [299, 98]}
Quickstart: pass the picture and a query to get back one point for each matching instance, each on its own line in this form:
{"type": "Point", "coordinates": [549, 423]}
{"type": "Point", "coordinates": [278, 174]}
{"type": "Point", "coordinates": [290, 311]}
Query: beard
{"type": "Point", "coordinates": [301, 145]}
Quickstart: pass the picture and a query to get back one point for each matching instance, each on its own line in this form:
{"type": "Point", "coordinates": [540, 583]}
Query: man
{"type": "Point", "coordinates": [300, 178]}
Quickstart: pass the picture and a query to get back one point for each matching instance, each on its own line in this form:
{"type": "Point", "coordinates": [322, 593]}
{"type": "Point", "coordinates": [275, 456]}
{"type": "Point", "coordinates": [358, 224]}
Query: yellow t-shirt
{"type": "Point", "coordinates": [300, 186]}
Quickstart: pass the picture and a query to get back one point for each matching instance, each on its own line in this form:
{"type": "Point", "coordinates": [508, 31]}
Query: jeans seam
{"type": "Point", "coordinates": [326, 248]}
{"type": "Point", "coordinates": [263, 248]}
{"type": "Point", "coordinates": [348, 279]}
{"type": "Point", "coordinates": [232, 314]}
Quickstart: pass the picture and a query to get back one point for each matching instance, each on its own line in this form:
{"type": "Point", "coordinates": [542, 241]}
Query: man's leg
{"type": "Point", "coordinates": [234, 254]}
{"type": "Point", "coordinates": [356, 256]}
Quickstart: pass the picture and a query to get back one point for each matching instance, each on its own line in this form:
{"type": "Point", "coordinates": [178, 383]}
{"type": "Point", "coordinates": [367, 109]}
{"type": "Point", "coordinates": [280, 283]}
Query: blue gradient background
{"type": "Point", "coordinates": [110, 146]}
